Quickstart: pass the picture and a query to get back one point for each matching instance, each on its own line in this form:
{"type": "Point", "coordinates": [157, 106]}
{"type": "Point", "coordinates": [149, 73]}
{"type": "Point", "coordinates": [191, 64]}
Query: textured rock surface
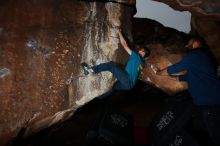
{"type": "Point", "coordinates": [205, 8]}
{"type": "Point", "coordinates": [41, 46]}
{"type": "Point", "coordinates": [127, 2]}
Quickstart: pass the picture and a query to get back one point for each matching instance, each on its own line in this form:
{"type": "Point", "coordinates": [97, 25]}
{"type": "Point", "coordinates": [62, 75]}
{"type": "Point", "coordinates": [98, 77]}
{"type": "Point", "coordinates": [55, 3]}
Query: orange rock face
{"type": "Point", "coordinates": [42, 44]}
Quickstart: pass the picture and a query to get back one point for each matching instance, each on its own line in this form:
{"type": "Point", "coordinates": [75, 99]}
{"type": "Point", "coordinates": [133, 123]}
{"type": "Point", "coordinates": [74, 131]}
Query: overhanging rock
{"type": "Point", "coordinates": [42, 44]}
{"type": "Point", "coordinates": [210, 8]}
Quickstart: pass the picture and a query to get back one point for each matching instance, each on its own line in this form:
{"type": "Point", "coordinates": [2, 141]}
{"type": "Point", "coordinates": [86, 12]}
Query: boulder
{"type": "Point", "coordinates": [42, 44]}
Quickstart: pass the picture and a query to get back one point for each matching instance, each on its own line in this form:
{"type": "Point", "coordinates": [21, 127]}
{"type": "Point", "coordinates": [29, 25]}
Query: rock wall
{"type": "Point", "coordinates": [127, 2]}
{"type": "Point", "coordinates": [204, 8]}
{"type": "Point", "coordinates": [42, 44]}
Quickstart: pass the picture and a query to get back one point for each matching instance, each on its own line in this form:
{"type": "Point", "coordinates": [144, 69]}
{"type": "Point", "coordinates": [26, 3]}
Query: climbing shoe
{"type": "Point", "coordinates": [86, 68]}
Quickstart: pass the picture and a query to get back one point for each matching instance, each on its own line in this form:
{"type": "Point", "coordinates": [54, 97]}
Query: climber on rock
{"type": "Point", "coordinates": [126, 79]}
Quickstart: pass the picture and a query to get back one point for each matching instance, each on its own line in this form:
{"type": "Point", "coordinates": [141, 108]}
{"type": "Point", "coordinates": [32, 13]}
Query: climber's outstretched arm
{"type": "Point", "coordinates": [123, 42]}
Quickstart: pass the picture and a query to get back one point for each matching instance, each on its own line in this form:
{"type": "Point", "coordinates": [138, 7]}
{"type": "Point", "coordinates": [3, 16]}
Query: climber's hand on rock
{"type": "Point", "coordinates": [155, 69]}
